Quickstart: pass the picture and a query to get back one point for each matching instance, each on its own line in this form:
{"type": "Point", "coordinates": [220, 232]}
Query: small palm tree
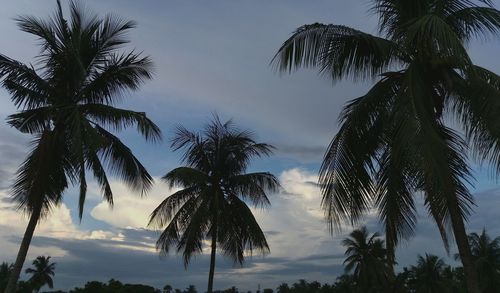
{"type": "Point", "coordinates": [68, 103]}
{"type": "Point", "coordinates": [367, 258]}
{"type": "Point", "coordinates": [5, 269]}
{"type": "Point", "coordinates": [212, 204]}
{"type": "Point", "coordinates": [167, 289]}
{"type": "Point", "coordinates": [427, 275]}
{"type": "Point", "coordinates": [397, 140]}
{"type": "Point", "coordinates": [41, 273]}
{"type": "Point", "coordinates": [486, 253]}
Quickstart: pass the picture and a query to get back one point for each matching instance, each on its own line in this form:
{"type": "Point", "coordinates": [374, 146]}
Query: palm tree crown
{"type": "Point", "coordinates": [41, 273]}
{"type": "Point", "coordinates": [367, 257]}
{"type": "Point", "coordinates": [215, 189]}
{"type": "Point", "coordinates": [70, 98]}
{"type": "Point", "coordinates": [486, 253]}
{"type": "Point", "coordinates": [427, 275]}
{"type": "Point", "coordinates": [67, 101]}
{"type": "Point", "coordinates": [395, 140]}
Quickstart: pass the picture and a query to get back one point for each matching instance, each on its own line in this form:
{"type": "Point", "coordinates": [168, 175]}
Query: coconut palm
{"type": "Point", "coordinates": [215, 188]}
{"type": "Point", "coordinates": [427, 275]}
{"type": "Point", "coordinates": [367, 259]}
{"type": "Point", "coordinates": [5, 269]}
{"type": "Point", "coordinates": [68, 103]}
{"type": "Point", "coordinates": [41, 273]}
{"type": "Point", "coordinates": [396, 140]}
{"type": "Point", "coordinates": [486, 253]}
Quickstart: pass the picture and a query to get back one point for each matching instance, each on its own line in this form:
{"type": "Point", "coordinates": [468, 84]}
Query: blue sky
{"type": "Point", "coordinates": [214, 56]}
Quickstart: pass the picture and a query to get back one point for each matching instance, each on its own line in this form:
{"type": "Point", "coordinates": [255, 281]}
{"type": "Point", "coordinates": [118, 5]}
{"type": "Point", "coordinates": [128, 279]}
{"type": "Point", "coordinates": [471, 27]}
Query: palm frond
{"type": "Point", "coordinates": [116, 76]}
{"type": "Point", "coordinates": [41, 180]}
{"type": "Point", "coordinates": [239, 233]}
{"type": "Point", "coordinates": [345, 174]}
{"type": "Point", "coordinates": [32, 121]}
{"type": "Point", "coordinates": [479, 22]}
{"type": "Point", "coordinates": [186, 177]}
{"type": "Point", "coordinates": [167, 209]}
{"type": "Point", "coordinates": [253, 186]}
{"type": "Point", "coordinates": [122, 162]}
{"type": "Point", "coordinates": [28, 90]}
{"type": "Point", "coordinates": [119, 119]}
{"type": "Point", "coordinates": [338, 51]}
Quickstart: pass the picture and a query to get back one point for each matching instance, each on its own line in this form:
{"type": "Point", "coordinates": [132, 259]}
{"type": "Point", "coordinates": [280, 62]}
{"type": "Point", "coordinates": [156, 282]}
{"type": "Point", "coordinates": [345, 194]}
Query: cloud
{"type": "Point", "coordinates": [301, 246]}
{"type": "Point", "coordinates": [129, 208]}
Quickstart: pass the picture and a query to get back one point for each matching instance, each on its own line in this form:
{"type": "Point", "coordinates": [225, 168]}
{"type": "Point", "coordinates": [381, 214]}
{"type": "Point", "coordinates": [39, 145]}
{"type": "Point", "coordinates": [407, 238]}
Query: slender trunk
{"type": "Point", "coordinates": [212, 263]}
{"type": "Point", "coordinates": [23, 251]}
{"type": "Point", "coordinates": [464, 249]}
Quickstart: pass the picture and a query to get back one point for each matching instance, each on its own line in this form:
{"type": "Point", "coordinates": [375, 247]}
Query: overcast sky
{"type": "Point", "coordinates": [214, 56]}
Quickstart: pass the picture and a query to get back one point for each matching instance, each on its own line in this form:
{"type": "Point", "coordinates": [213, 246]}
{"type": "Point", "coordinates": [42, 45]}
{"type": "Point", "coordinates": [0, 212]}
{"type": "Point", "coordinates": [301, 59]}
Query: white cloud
{"type": "Point", "coordinates": [130, 210]}
{"type": "Point", "coordinates": [295, 215]}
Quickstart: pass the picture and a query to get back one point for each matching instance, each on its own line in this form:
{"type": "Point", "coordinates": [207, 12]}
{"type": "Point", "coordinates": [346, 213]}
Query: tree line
{"type": "Point", "coordinates": [394, 142]}
{"type": "Point", "coordinates": [367, 270]}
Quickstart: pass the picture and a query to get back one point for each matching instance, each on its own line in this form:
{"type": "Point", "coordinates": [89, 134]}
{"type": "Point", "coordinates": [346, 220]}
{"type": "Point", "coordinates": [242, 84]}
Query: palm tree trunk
{"type": "Point", "coordinates": [457, 223]}
{"type": "Point", "coordinates": [23, 251]}
{"type": "Point", "coordinates": [212, 263]}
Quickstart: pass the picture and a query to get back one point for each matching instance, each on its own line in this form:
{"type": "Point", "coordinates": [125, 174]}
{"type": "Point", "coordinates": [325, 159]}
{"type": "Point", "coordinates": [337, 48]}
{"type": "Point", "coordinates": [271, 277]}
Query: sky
{"type": "Point", "coordinates": [213, 56]}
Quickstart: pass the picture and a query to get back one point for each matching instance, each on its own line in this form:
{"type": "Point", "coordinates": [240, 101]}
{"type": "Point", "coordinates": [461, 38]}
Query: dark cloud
{"type": "Point", "coordinates": [105, 259]}
{"type": "Point", "coordinates": [305, 153]}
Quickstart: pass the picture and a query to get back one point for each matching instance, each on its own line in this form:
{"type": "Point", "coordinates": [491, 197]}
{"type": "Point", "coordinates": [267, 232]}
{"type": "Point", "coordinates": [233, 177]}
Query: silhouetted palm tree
{"type": "Point", "coordinates": [367, 259]}
{"type": "Point", "coordinates": [394, 140]}
{"type": "Point", "coordinates": [41, 273]}
{"type": "Point", "coordinates": [212, 204]}
{"type": "Point", "coordinates": [486, 253]}
{"type": "Point", "coordinates": [427, 275]}
{"type": "Point", "coordinates": [5, 269]}
{"type": "Point", "coordinates": [167, 289]}
{"type": "Point", "coordinates": [67, 102]}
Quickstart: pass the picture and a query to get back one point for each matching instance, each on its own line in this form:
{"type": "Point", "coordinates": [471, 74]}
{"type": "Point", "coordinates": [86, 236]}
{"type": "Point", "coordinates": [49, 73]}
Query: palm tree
{"type": "Point", "coordinates": [68, 103]}
{"type": "Point", "coordinates": [367, 257]}
{"type": "Point", "coordinates": [212, 204]}
{"type": "Point", "coordinates": [42, 273]}
{"type": "Point", "coordinates": [167, 289]}
{"type": "Point", "coordinates": [396, 140]}
{"type": "Point", "coordinates": [486, 253]}
{"type": "Point", "coordinates": [5, 269]}
{"type": "Point", "coordinates": [427, 275]}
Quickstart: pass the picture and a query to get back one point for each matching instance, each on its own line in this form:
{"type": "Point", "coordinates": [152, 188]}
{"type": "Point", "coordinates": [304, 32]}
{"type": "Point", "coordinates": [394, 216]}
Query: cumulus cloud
{"type": "Point", "coordinates": [129, 208]}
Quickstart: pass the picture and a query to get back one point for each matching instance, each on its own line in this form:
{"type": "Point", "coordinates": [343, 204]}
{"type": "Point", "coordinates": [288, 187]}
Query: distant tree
{"type": "Point", "coordinates": [267, 290]}
{"type": "Point", "coordinates": [5, 269]}
{"type": "Point", "coordinates": [24, 287]}
{"type": "Point", "coordinates": [346, 284]}
{"type": "Point", "coordinates": [486, 253]}
{"type": "Point", "coordinates": [427, 276]}
{"type": "Point", "coordinates": [41, 273]}
{"type": "Point", "coordinates": [230, 290]}
{"type": "Point", "coordinates": [367, 259]}
{"type": "Point", "coordinates": [167, 289]}
{"type": "Point", "coordinates": [190, 289]}
{"type": "Point", "coordinates": [212, 204]}
{"type": "Point", "coordinates": [283, 288]}
{"type": "Point", "coordinates": [114, 285]}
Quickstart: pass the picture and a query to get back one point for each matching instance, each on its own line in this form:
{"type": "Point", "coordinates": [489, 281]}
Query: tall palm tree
{"type": "Point", "coordinates": [41, 273]}
{"type": "Point", "coordinates": [397, 140]}
{"type": "Point", "coordinates": [367, 258]}
{"type": "Point", "coordinates": [486, 253]}
{"type": "Point", "coordinates": [212, 204]}
{"type": "Point", "coordinates": [427, 275]}
{"type": "Point", "coordinates": [68, 103]}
